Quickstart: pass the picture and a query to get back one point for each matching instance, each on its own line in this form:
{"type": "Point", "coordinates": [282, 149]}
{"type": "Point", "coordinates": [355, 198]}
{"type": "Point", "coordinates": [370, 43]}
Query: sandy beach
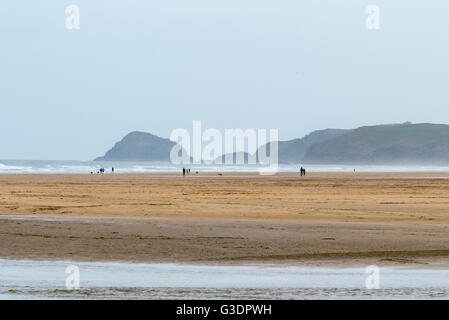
{"type": "Point", "coordinates": [323, 218]}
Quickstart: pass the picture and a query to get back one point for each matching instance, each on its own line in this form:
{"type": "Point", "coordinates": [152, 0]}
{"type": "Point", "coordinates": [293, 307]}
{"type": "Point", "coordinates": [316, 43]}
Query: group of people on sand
{"type": "Point", "coordinates": [302, 171]}
{"type": "Point", "coordinates": [187, 171]}
{"type": "Point", "coordinates": [102, 170]}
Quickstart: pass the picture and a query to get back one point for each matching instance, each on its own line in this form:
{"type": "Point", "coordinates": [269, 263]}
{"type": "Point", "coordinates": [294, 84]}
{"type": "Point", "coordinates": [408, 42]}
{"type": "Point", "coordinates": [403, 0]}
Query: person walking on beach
{"type": "Point", "coordinates": [183, 172]}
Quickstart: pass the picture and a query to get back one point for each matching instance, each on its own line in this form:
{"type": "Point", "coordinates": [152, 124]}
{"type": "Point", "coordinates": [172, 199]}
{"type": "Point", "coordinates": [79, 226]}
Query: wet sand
{"type": "Point", "coordinates": [338, 218]}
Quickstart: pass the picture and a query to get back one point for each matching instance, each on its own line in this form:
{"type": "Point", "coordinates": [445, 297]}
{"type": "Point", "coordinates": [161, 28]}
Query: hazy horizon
{"type": "Point", "coordinates": [245, 150]}
{"type": "Point", "coordinates": [154, 67]}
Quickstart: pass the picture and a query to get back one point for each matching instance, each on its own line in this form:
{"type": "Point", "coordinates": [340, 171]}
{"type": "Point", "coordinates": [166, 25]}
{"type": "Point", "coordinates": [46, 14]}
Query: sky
{"type": "Point", "coordinates": [154, 66]}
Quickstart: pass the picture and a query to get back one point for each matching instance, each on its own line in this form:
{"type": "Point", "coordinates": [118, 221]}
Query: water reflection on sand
{"type": "Point", "coordinates": [24, 279]}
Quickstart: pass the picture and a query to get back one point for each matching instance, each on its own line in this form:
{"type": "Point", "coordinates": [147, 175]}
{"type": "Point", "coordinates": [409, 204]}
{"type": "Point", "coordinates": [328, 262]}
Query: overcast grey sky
{"type": "Point", "coordinates": [294, 65]}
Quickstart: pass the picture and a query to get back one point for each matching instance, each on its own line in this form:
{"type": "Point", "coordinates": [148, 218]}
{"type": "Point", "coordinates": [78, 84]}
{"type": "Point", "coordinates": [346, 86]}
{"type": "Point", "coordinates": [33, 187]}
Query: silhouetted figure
{"type": "Point", "coordinates": [112, 169]}
{"type": "Point", "coordinates": [183, 172]}
{"type": "Point", "coordinates": [304, 172]}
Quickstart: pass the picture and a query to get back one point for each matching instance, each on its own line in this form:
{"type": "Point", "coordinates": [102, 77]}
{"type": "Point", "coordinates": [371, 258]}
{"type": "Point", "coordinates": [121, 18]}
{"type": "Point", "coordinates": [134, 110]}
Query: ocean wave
{"type": "Point", "coordinates": [47, 167]}
{"type": "Point", "coordinates": [14, 169]}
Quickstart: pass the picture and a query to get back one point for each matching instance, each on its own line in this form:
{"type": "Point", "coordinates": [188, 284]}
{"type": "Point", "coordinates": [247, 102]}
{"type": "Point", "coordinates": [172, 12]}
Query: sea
{"type": "Point", "coordinates": [54, 166]}
{"type": "Point", "coordinates": [26, 279]}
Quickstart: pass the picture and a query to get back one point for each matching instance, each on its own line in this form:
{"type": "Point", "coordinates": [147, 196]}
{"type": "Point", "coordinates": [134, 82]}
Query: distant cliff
{"type": "Point", "coordinates": [139, 146]}
{"type": "Point", "coordinates": [382, 144]}
{"type": "Point", "coordinates": [385, 144]}
{"type": "Point", "coordinates": [293, 151]}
